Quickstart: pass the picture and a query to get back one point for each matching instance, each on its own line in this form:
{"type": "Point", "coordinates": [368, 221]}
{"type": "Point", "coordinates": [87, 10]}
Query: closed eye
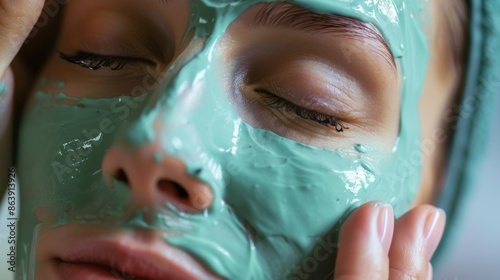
{"type": "Point", "coordinates": [93, 61]}
{"type": "Point", "coordinates": [278, 103]}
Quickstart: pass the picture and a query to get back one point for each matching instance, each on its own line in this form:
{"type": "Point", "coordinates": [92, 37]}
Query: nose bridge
{"type": "Point", "coordinates": [187, 120]}
{"type": "Point", "coordinates": [157, 153]}
{"type": "Point", "coordinates": [167, 119]}
{"type": "Point", "coordinates": [170, 148]}
{"type": "Point", "coordinates": [179, 111]}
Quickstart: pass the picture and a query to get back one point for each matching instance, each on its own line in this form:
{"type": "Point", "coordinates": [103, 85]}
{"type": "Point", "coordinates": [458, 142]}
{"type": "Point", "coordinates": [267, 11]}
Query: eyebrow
{"type": "Point", "coordinates": [289, 16]}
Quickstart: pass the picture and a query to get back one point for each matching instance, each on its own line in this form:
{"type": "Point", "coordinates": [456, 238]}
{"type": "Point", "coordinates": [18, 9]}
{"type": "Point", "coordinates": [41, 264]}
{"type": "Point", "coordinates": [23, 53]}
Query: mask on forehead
{"type": "Point", "coordinates": [277, 204]}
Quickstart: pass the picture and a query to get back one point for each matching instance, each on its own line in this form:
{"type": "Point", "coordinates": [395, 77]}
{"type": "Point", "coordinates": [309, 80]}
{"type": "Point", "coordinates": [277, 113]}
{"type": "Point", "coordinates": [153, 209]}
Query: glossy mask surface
{"type": "Point", "coordinates": [277, 203]}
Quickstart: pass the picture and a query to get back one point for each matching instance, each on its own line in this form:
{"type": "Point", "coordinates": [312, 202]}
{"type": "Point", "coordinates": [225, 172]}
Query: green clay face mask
{"type": "Point", "coordinates": [277, 205]}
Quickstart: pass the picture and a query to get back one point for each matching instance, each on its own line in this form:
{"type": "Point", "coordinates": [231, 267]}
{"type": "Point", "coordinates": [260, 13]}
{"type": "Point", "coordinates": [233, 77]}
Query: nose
{"type": "Point", "coordinates": [153, 153]}
{"type": "Point", "coordinates": [155, 178]}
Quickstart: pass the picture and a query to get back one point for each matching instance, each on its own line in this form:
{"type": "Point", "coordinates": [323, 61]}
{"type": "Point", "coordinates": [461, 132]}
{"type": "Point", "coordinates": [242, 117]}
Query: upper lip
{"type": "Point", "coordinates": [127, 257]}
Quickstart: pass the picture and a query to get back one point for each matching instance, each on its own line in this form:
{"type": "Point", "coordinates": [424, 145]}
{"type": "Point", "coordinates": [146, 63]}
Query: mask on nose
{"type": "Point", "coordinates": [277, 204]}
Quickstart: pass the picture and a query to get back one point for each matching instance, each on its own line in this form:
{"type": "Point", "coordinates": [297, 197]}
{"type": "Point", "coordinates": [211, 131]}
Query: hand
{"type": "Point", "coordinates": [374, 246]}
{"type": "Point", "coordinates": [17, 18]}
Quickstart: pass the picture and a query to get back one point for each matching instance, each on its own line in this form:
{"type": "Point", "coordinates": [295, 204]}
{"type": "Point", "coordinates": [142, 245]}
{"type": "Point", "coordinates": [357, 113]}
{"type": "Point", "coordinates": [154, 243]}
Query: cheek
{"type": "Point", "coordinates": [62, 167]}
{"type": "Point", "coordinates": [276, 197]}
{"type": "Point", "coordinates": [285, 188]}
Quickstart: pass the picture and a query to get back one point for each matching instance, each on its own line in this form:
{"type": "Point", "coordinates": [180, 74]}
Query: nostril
{"type": "Point", "coordinates": [167, 184]}
{"type": "Point", "coordinates": [173, 189]}
{"type": "Point", "coordinates": [181, 191]}
{"type": "Point", "coordinates": [121, 176]}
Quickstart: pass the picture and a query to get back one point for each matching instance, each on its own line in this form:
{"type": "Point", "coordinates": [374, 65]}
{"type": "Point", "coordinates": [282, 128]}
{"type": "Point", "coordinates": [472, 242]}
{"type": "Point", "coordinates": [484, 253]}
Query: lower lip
{"type": "Point", "coordinates": [76, 271]}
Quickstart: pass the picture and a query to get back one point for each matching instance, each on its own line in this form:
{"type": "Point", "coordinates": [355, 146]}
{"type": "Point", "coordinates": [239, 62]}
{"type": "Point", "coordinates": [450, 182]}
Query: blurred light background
{"type": "Point", "coordinates": [476, 249]}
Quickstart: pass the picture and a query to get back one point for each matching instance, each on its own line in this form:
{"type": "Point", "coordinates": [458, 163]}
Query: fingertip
{"type": "Point", "coordinates": [425, 222]}
{"type": "Point", "coordinates": [364, 242]}
{"type": "Point", "coordinates": [433, 230]}
{"type": "Point", "coordinates": [16, 22]}
{"type": "Point", "coordinates": [385, 224]}
{"type": "Point", "coordinates": [430, 272]}
{"type": "Point", "coordinates": [416, 237]}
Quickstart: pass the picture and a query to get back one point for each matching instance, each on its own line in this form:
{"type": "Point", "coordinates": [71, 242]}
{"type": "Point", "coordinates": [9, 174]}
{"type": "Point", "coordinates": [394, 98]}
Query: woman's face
{"type": "Point", "coordinates": [223, 138]}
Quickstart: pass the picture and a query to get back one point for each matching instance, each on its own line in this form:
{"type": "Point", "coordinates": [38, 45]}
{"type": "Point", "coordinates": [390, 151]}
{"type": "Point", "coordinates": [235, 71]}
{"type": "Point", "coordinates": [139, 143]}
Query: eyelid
{"type": "Point", "coordinates": [278, 103]}
{"type": "Point", "coordinates": [315, 91]}
{"type": "Point", "coordinates": [95, 61]}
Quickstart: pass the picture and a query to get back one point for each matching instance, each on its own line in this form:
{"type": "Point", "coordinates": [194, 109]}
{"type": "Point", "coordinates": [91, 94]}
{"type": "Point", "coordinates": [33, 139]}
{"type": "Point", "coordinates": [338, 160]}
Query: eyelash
{"type": "Point", "coordinates": [94, 61]}
{"type": "Point", "coordinates": [278, 103]}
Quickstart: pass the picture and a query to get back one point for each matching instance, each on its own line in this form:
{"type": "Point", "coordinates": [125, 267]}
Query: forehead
{"type": "Point", "coordinates": [389, 16]}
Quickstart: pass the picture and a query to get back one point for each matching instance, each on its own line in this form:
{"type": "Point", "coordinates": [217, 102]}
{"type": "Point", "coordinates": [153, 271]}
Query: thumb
{"type": "Point", "coordinates": [17, 18]}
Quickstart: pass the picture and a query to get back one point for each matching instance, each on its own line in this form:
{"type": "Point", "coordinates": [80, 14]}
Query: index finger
{"type": "Point", "coordinates": [364, 243]}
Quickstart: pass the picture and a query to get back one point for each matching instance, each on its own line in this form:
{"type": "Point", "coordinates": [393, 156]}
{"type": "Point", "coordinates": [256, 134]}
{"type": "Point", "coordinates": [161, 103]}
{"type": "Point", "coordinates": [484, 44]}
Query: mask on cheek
{"type": "Point", "coordinates": [277, 204]}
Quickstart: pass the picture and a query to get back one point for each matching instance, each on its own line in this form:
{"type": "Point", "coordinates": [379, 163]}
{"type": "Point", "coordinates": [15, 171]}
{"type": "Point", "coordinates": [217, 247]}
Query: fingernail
{"type": "Point", "coordinates": [433, 231]}
{"type": "Point", "coordinates": [429, 273]}
{"type": "Point", "coordinates": [385, 224]}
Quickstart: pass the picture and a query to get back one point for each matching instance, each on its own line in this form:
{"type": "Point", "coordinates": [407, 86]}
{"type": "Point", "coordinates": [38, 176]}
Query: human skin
{"type": "Point", "coordinates": [15, 23]}
{"type": "Point", "coordinates": [388, 135]}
